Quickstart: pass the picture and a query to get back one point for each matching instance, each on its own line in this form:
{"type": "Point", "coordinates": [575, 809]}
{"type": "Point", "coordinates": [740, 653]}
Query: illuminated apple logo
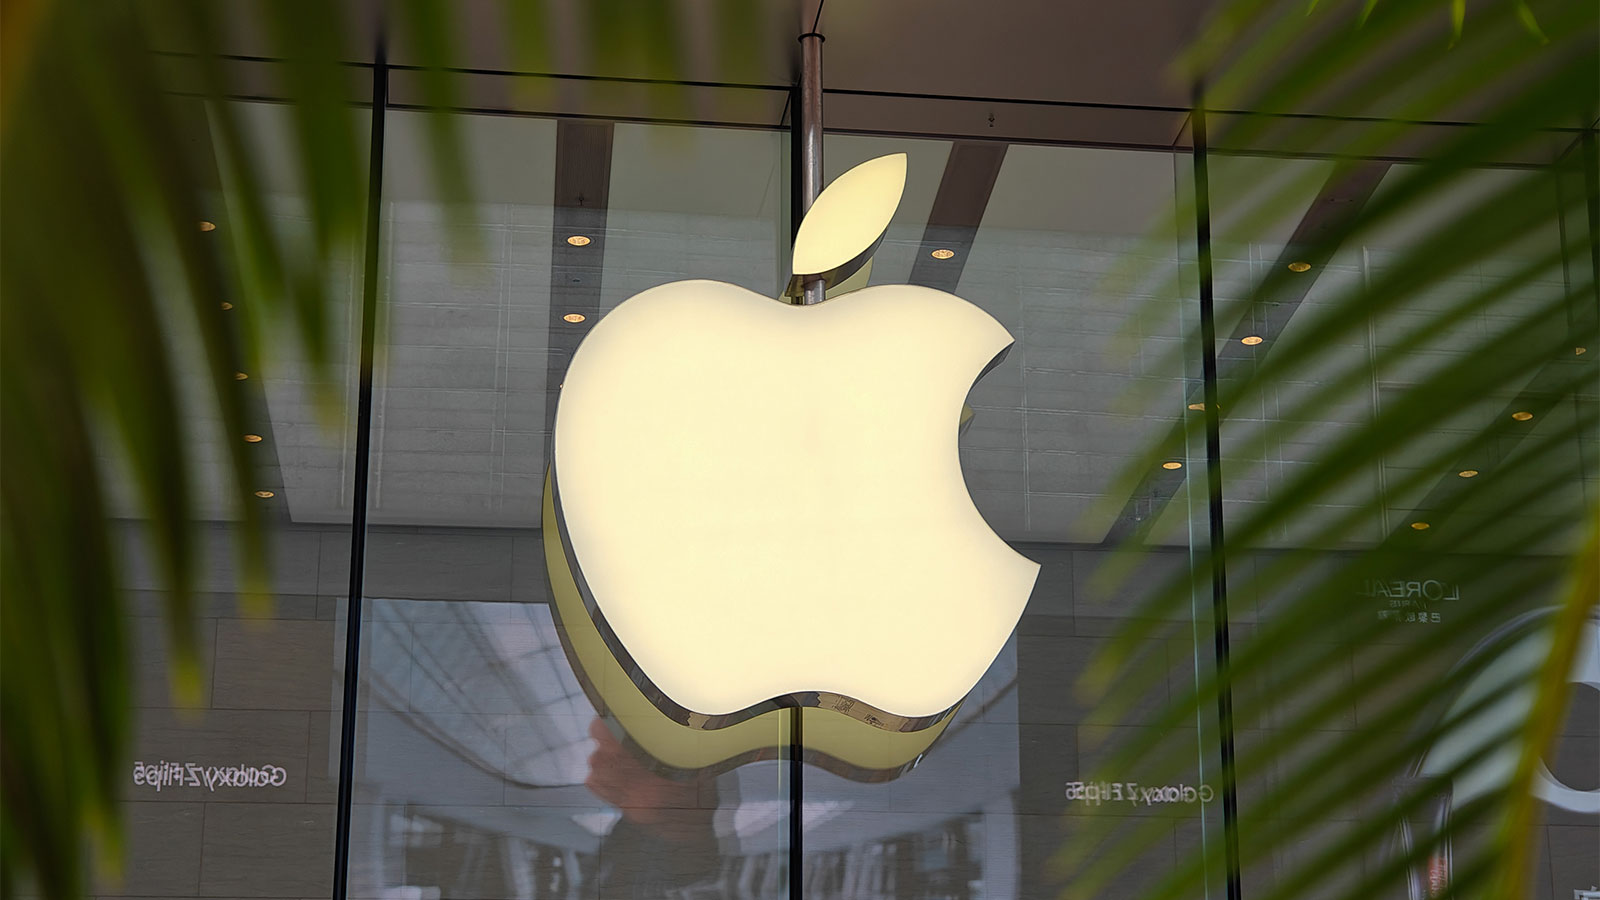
{"type": "Point", "coordinates": [762, 503]}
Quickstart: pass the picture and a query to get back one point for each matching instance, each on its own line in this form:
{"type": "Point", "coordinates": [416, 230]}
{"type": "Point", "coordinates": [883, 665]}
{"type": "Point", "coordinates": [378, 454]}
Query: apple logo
{"type": "Point", "coordinates": [838, 744]}
{"type": "Point", "coordinates": [761, 504]}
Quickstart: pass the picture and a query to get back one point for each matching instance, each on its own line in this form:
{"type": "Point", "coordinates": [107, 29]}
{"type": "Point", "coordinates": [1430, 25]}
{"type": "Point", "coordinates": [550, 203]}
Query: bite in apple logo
{"type": "Point", "coordinates": [762, 503]}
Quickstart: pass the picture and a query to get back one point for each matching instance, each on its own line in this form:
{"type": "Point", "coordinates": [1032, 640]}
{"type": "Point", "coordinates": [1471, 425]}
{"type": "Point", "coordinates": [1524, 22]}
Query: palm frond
{"type": "Point", "coordinates": [111, 293]}
{"type": "Point", "coordinates": [129, 333]}
{"type": "Point", "coordinates": [1350, 722]}
{"type": "Point", "coordinates": [115, 298]}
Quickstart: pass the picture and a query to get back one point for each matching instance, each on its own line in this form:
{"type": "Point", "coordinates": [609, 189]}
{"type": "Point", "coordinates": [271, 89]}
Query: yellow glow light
{"type": "Point", "coordinates": [252, 439]}
{"type": "Point", "coordinates": [1172, 464]}
{"type": "Point", "coordinates": [943, 253]}
{"type": "Point", "coordinates": [1298, 266]}
{"type": "Point", "coordinates": [1198, 406]}
{"type": "Point", "coordinates": [1522, 415]}
{"type": "Point", "coordinates": [1420, 526]}
{"type": "Point", "coordinates": [1251, 340]}
{"type": "Point", "coordinates": [208, 226]}
{"type": "Point", "coordinates": [240, 376]}
{"type": "Point", "coordinates": [265, 495]}
{"type": "Point", "coordinates": [1468, 473]}
{"type": "Point", "coordinates": [574, 318]}
{"type": "Point", "coordinates": [579, 240]}
{"type": "Point", "coordinates": [839, 493]}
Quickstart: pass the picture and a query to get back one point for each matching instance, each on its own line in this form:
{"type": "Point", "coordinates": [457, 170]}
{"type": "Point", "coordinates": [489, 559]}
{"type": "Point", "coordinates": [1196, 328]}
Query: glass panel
{"type": "Point", "coordinates": [503, 751]}
{"type": "Point", "coordinates": [1422, 584]}
{"type": "Point", "coordinates": [500, 753]}
{"type": "Point", "coordinates": [235, 798]}
{"type": "Point", "coordinates": [1044, 239]}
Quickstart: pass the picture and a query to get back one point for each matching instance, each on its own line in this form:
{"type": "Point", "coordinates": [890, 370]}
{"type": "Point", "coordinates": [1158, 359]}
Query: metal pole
{"type": "Point", "coordinates": [1217, 557]}
{"type": "Point", "coordinates": [809, 119]}
{"type": "Point", "coordinates": [363, 461]}
{"type": "Point", "coordinates": [808, 165]}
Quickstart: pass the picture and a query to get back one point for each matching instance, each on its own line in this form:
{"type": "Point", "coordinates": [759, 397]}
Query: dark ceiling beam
{"type": "Point", "coordinates": [267, 472]}
{"type": "Point", "coordinates": [1550, 386]}
{"type": "Point", "coordinates": [969, 176]}
{"type": "Point", "coordinates": [1347, 190]}
{"type": "Point", "coordinates": [582, 194]}
{"type": "Point", "coordinates": [1557, 380]}
{"type": "Point", "coordinates": [1344, 194]}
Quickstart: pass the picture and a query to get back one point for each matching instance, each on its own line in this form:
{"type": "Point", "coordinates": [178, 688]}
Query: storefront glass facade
{"type": "Point", "coordinates": [484, 762]}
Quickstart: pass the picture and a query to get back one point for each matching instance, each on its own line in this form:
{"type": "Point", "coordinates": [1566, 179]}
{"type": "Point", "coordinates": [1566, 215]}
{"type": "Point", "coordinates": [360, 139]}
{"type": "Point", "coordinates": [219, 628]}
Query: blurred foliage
{"type": "Point", "coordinates": [1376, 756]}
{"type": "Point", "coordinates": [126, 324]}
{"type": "Point", "coordinates": [108, 280]}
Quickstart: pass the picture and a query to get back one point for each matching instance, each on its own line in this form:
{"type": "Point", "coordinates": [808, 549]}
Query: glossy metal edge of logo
{"type": "Point", "coordinates": [567, 620]}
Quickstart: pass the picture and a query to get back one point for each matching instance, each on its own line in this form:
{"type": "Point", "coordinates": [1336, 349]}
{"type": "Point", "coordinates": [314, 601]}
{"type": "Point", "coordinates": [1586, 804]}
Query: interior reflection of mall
{"type": "Point", "coordinates": [1045, 148]}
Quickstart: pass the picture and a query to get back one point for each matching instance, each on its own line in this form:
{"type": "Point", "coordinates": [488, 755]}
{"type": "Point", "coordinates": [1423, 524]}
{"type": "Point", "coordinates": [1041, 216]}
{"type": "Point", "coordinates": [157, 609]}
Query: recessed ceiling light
{"type": "Point", "coordinates": [264, 494]}
{"type": "Point", "coordinates": [1420, 526]}
{"type": "Point", "coordinates": [239, 376]}
{"type": "Point", "coordinates": [1250, 340]}
{"type": "Point", "coordinates": [1468, 473]}
{"type": "Point", "coordinates": [1198, 406]}
{"type": "Point", "coordinates": [1172, 464]}
{"type": "Point", "coordinates": [1579, 351]}
{"type": "Point", "coordinates": [1522, 415]}
{"type": "Point", "coordinates": [579, 240]}
{"type": "Point", "coordinates": [207, 226]}
{"type": "Point", "coordinates": [942, 253]}
{"type": "Point", "coordinates": [574, 318]}
{"type": "Point", "coordinates": [227, 305]}
{"type": "Point", "coordinates": [1298, 266]}
{"type": "Point", "coordinates": [252, 438]}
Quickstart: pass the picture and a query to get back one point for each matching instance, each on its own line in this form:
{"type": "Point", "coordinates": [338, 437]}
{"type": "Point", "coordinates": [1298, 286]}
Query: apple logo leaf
{"type": "Point", "coordinates": [844, 226]}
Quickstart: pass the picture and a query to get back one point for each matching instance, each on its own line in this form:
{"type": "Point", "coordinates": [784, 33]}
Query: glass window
{"type": "Point", "coordinates": [235, 796]}
{"type": "Point", "coordinates": [502, 750]}
{"type": "Point", "coordinates": [1055, 244]}
{"type": "Point", "coordinates": [1416, 583]}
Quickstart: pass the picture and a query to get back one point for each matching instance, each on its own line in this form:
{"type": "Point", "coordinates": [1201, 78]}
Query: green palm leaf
{"type": "Point", "coordinates": [122, 135]}
{"type": "Point", "coordinates": [1351, 725]}
{"type": "Point", "coordinates": [103, 265]}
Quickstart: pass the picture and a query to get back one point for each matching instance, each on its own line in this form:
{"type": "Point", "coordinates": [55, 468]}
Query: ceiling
{"type": "Point", "coordinates": [1074, 51]}
{"type": "Point", "coordinates": [1068, 250]}
{"type": "Point", "coordinates": [1065, 245]}
{"type": "Point", "coordinates": [1051, 71]}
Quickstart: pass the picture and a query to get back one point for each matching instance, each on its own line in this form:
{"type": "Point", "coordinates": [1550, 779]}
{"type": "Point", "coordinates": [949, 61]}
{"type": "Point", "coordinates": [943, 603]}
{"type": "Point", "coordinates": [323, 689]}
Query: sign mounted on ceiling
{"type": "Point", "coordinates": [762, 504]}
